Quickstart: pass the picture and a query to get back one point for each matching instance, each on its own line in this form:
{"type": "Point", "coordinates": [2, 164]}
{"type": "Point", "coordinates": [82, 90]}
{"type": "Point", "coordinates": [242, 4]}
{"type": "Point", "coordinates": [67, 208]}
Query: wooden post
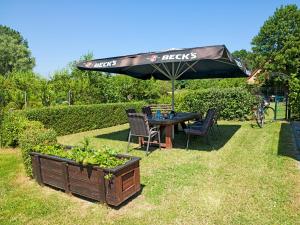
{"type": "Point", "coordinates": [66, 177]}
{"type": "Point", "coordinates": [101, 186]}
{"type": "Point", "coordinates": [169, 136]}
{"type": "Point", "coordinates": [37, 170]}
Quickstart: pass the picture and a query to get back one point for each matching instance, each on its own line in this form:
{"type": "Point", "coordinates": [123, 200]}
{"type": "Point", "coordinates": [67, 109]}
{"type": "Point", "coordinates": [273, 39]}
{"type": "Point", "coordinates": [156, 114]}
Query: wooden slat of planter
{"type": "Point", "coordinates": [53, 179]}
{"type": "Point", "coordinates": [82, 173]}
{"type": "Point", "coordinates": [84, 184]}
{"type": "Point", "coordinates": [86, 181]}
{"type": "Point", "coordinates": [51, 165]}
{"type": "Point", "coordinates": [127, 180]}
{"type": "Point", "coordinates": [89, 190]}
{"type": "Point", "coordinates": [86, 192]}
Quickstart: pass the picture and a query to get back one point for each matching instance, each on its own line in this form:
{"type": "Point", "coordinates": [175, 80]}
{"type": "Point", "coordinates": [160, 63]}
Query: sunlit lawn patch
{"type": "Point", "coordinates": [249, 177]}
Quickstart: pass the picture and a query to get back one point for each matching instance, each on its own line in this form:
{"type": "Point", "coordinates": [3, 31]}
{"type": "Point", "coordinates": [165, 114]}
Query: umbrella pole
{"type": "Point", "coordinates": [173, 89]}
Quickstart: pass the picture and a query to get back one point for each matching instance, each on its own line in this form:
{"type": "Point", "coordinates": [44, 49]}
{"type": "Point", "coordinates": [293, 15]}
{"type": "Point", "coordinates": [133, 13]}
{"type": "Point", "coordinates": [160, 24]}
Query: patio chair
{"type": "Point", "coordinates": [130, 111]}
{"type": "Point", "coordinates": [147, 110]}
{"type": "Point", "coordinates": [200, 122]}
{"type": "Point", "coordinates": [202, 130]}
{"type": "Point", "coordinates": [139, 127]}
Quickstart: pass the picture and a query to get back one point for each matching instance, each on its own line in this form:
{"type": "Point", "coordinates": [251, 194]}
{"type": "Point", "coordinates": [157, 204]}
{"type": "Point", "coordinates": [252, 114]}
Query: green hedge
{"type": "Point", "coordinates": [232, 103]}
{"type": "Point", "coordinates": [34, 134]}
{"type": "Point", "coordinates": [78, 118]}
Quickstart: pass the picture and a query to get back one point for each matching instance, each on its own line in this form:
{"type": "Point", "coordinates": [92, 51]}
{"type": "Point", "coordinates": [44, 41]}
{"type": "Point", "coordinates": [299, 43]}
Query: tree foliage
{"type": "Point", "coordinates": [245, 57]}
{"type": "Point", "coordinates": [277, 45]}
{"type": "Point", "coordinates": [14, 52]}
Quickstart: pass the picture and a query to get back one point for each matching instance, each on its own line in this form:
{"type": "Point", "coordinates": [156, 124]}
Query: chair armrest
{"type": "Point", "coordinates": [153, 128]}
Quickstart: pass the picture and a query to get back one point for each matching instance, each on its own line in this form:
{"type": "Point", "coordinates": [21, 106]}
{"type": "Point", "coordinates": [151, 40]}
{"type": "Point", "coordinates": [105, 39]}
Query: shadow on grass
{"type": "Point", "coordinates": [217, 141]}
{"type": "Point", "coordinates": [130, 199]}
{"type": "Point", "coordinates": [286, 145]}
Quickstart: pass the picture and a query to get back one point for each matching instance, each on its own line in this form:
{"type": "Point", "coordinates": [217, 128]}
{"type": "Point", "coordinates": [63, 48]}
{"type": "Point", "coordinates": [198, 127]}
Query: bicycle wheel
{"type": "Point", "coordinates": [269, 113]}
{"type": "Point", "coordinates": [260, 117]}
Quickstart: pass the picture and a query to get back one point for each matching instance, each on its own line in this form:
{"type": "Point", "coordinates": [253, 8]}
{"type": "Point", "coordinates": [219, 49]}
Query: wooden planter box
{"type": "Point", "coordinates": [88, 181]}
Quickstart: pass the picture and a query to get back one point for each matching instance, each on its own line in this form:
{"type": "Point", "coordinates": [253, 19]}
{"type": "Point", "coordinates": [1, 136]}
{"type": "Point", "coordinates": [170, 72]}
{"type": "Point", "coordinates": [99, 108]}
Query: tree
{"type": "Point", "coordinates": [277, 45]}
{"type": "Point", "coordinates": [245, 57]}
{"type": "Point", "coordinates": [277, 50]}
{"type": "Point", "coordinates": [14, 52]}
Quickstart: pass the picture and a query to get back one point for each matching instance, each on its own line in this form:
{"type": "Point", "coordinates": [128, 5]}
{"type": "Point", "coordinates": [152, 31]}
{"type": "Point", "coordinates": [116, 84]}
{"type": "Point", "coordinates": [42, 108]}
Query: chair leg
{"type": "Point", "coordinates": [187, 142]}
{"type": "Point", "coordinates": [129, 137]}
{"type": "Point", "coordinates": [158, 134]}
{"type": "Point", "coordinates": [148, 143]}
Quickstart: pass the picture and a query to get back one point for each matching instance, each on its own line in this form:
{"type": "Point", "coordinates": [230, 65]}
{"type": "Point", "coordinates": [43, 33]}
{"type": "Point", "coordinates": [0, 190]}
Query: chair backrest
{"type": "Point", "coordinates": [209, 118]}
{"type": "Point", "coordinates": [130, 111]}
{"type": "Point", "coordinates": [147, 110]}
{"type": "Point", "coordinates": [216, 116]}
{"type": "Point", "coordinates": [138, 123]}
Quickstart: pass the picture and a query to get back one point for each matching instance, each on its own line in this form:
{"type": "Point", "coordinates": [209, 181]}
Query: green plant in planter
{"type": "Point", "coordinates": [104, 158]}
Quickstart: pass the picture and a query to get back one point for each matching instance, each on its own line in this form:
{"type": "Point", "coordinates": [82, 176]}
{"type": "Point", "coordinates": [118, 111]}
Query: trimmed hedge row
{"type": "Point", "coordinates": [73, 119]}
{"type": "Point", "coordinates": [232, 103]}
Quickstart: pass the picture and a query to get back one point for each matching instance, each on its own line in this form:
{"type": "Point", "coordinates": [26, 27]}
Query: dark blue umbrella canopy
{"type": "Point", "coordinates": [179, 64]}
{"type": "Point", "coordinates": [176, 64]}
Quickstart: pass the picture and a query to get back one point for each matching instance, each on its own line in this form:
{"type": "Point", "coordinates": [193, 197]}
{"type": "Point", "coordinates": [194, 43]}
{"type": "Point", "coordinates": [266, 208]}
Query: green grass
{"type": "Point", "coordinates": [249, 177]}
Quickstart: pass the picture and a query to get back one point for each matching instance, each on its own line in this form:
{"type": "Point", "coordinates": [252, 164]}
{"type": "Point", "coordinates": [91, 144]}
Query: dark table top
{"type": "Point", "coordinates": [179, 118]}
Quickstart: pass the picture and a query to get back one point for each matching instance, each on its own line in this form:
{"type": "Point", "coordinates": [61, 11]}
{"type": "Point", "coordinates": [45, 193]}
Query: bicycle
{"type": "Point", "coordinates": [264, 113]}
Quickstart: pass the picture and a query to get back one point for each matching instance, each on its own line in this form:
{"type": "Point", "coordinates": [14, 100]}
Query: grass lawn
{"type": "Point", "coordinates": [249, 177]}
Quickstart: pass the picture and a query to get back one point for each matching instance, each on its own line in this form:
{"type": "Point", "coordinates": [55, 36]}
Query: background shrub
{"type": "Point", "coordinates": [232, 103]}
{"type": "Point", "coordinates": [78, 118]}
{"type": "Point", "coordinates": [12, 126]}
{"type": "Point", "coordinates": [34, 134]}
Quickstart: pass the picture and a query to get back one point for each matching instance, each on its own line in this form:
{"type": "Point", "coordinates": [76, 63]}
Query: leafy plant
{"type": "Point", "coordinates": [104, 157]}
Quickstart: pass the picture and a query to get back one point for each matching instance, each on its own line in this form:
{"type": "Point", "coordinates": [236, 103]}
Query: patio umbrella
{"type": "Point", "coordinates": [175, 64]}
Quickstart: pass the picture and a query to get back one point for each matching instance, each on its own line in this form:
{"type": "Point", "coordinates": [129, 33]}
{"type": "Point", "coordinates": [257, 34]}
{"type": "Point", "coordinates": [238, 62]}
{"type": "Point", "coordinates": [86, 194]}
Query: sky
{"type": "Point", "coordinates": [59, 32]}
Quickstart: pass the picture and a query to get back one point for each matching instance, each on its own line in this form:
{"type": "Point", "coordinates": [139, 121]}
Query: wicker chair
{"type": "Point", "coordinates": [139, 127]}
{"type": "Point", "coordinates": [202, 130]}
{"type": "Point", "coordinates": [147, 110]}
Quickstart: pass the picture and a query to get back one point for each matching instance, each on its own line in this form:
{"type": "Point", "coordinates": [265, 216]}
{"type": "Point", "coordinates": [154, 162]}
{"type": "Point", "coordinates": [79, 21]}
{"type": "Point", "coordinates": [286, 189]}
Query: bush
{"type": "Point", "coordinates": [232, 103]}
{"type": "Point", "coordinates": [78, 118]}
{"type": "Point", "coordinates": [34, 134]}
{"type": "Point", "coordinates": [294, 95]}
{"type": "Point", "coordinates": [12, 126]}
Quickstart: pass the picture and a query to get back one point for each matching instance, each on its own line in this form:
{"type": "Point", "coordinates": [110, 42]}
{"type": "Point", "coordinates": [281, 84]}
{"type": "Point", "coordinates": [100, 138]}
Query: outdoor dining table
{"type": "Point", "coordinates": [168, 125]}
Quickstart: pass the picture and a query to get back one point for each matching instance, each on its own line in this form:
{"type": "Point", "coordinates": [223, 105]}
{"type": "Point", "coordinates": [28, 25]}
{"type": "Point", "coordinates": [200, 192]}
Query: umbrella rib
{"type": "Point", "coordinates": [160, 70]}
{"type": "Point", "coordinates": [153, 70]}
{"type": "Point", "coordinates": [190, 66]}
{"type": "Point", "coordinates": [177, 68]}
{"type": "Point", "coordinates": [180, 69]}
{"type": "Point", "coordinates": [167, 70]}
